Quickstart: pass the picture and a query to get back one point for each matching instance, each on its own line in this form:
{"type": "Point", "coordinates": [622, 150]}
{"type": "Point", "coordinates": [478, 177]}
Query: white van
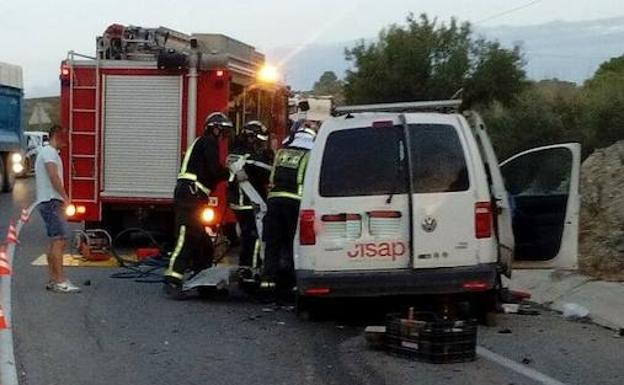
{"type": "Point", "coordinates": [414, 203]}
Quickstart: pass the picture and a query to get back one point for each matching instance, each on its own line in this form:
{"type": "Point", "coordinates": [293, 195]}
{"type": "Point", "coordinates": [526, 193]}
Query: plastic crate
{"type": "Point", "coordinates": [430, 338]}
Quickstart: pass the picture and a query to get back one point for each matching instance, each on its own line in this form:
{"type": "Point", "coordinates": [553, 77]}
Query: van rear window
{"type": "Point", "coordinates": [372, 161]}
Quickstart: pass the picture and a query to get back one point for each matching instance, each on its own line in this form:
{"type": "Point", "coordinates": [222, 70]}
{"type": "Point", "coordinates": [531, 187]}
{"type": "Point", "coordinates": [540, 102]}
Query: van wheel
{"type": "Point", "coordinates": [490, 319]}
{"type": "Point", "coordinates": [306, 309]}
{"type": "Point", "coordinates": [7, 177]}
{"type": "Point", "coordinates": [484, 308]}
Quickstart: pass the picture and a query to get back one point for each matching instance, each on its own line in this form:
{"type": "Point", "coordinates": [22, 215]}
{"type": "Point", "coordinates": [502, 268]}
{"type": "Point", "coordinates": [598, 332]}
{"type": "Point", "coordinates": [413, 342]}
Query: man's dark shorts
{"type": "Point", "coordinates": [54, 218]}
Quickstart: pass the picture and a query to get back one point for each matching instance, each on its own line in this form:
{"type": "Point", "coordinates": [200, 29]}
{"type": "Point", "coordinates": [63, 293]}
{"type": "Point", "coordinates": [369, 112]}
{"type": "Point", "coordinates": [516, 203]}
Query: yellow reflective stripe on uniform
{"type": "Point", "coordinates": [176, 252]}
{"type": "Point", "coordinates": [193, 178]}
{"type": "Point", "coordinates": [234, 206]}
{"type": "Point", "coordinates": [256, 253]}
{"type": "Point", "coordinates": [200, 186]}
{"type": "Point", "coordinates": [272, 176]}
{"type": "Point", "coordinates": [187, 157]}
{"type": "Point", "coordinates": [302, 168]}
{"type": "Point", "coordinates": [171, 273]}
{"type": "Point", "coordinates": [188, 176]}
{"type": "Point", "coordinates": [284, 194]}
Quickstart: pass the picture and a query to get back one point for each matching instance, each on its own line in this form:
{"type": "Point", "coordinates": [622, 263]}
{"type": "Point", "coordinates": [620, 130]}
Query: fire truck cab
{"type": "Point", "coordinates": [134, 108]}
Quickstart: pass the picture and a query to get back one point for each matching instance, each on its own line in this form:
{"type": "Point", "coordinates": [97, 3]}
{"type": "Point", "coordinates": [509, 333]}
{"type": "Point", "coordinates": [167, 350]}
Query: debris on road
{"type": "Point", "coordinates": [504, 331]}
{"type": "Point", "coordinates": [527, 310]}
{"type": "Point", "coordinates": [375, 336]}
{"type": "Point", "coordinates": [510, 308]}
{"type": "Point", "coordinates": [574, 312]}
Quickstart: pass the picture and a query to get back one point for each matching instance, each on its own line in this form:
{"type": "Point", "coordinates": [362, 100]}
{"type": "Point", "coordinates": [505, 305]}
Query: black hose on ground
{"type": "Point", "coordinates": [149, 270]}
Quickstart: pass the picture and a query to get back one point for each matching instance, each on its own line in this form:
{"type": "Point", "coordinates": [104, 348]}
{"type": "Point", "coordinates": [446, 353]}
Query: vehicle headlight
{"type": "Point", "coordinates": [17, 168]}
{"type": "Point", "coordinates": [17, 158]}
{"type": "Point", "coordinates": [70, 210]}
{"type": "Point", "coordinates": [208, 215]}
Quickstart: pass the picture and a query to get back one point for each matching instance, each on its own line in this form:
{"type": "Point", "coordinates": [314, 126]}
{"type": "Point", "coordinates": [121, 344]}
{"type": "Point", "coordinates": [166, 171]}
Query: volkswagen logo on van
{"type": "Point", "coordinates": [429, 224]}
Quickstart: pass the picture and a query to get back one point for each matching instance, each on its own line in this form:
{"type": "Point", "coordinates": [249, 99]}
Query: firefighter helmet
{"type": "Point", "coordinates": [256, 131]}
{"type": "Point", "coordinates": [218, 120]}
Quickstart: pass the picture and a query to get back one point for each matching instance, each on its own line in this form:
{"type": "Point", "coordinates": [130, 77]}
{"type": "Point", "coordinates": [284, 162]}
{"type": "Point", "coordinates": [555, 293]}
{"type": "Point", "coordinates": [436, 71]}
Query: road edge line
{"type": "Point", "coordinates": [8, 366]}
{"type": "Point", "coordinates": [517, 367]}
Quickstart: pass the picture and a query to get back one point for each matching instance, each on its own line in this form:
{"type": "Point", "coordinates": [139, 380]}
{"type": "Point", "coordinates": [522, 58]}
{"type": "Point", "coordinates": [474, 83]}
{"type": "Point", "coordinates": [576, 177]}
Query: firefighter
{"type": "Point", "coordinates": [199, 174]}
{"type": "Point", "coordinates": [252, 143]}
{"type": "Point", "coordinates": [280, 222]}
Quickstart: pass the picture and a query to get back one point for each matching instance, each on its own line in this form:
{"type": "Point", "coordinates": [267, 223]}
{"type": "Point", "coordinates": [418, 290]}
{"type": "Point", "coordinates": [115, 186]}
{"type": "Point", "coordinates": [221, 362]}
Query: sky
{"type": "Point", "coordinates": [38, 34]}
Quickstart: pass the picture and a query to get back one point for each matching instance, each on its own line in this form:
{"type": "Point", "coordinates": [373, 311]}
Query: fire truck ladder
{"type": "Point", "coordinates": [86, 87]}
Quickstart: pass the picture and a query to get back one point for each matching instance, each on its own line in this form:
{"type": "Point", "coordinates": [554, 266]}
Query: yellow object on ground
{"type": "Point", "coordinates": [70, 260]}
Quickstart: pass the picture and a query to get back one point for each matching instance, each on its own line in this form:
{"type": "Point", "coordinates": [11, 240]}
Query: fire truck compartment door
{"type": "Point", "coordinates": [142, 134]}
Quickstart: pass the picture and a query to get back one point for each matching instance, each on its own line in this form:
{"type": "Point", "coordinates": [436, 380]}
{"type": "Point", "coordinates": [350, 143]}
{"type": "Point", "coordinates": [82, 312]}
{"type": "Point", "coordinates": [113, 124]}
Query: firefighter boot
{"type": "Point", "coordinates": [173, 290]}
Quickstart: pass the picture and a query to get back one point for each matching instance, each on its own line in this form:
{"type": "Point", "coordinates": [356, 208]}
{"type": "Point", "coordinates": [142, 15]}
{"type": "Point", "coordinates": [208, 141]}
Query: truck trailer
{"type": "Point", "coordinates": [134, 108]}
{"type": "Point", "coordinates": [11, 134]}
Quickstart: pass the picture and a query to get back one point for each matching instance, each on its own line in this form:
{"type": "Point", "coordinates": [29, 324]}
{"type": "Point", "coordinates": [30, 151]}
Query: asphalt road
{"type": "Point", "coordinates": [122, 332]}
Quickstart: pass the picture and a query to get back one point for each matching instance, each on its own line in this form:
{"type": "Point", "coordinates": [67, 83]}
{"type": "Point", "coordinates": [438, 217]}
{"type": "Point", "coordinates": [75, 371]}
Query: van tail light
{"type": "Point", "coordinates": [476, 285]}
{"type": "Point", "coordinates": [483, 220]}
{"type": "Point", "coordinates": [317, 291]}
{"type": "Point", "coordinates": [307, 235]}
{"type": "Point", "coordinates": [334, 218]}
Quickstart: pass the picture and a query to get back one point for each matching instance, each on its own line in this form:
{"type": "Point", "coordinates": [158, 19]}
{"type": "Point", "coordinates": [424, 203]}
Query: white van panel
{"type": "Point", "coordinates": [384, 242]}
{"type": "Point", "coordinates": [385, 248]}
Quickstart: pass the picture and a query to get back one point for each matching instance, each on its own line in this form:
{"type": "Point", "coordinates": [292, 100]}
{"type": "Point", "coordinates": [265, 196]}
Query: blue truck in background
{"type": "Point", "coordinates": [11, 129]}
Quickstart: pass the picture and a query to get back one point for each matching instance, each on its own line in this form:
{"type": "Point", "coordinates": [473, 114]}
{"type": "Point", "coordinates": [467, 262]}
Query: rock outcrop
{"type": "Point", "coordinates": [601, 248]}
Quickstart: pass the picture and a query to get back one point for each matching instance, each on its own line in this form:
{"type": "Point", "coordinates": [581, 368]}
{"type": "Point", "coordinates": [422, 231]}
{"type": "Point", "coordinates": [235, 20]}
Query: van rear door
{"type": "Point", "coordinates": [360, 202]}
{"type": "Point", "coordinates": [448, 194]}
{"type": "Point", "coordinates": [543, 184]}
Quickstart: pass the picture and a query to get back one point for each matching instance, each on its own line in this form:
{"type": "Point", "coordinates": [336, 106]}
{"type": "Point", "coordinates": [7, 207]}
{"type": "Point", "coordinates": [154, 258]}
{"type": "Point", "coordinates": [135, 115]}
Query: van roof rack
{"type": "Point", "coordinates": [432, 105]}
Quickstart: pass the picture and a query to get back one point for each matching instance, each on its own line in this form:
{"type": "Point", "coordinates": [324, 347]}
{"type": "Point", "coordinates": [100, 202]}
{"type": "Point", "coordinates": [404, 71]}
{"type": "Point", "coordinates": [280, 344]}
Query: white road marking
{"type": "Point", "coordinates": [516, 367]}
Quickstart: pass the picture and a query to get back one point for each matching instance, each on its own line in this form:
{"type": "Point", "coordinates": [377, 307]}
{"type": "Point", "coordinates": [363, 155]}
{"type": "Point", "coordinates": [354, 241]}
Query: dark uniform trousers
{"type": "Point", "coordinates": [246, 219]}
{"type": "Point", "coordinates": [280, 226]}
{"type": "Point", "coordinates": [194, 248]}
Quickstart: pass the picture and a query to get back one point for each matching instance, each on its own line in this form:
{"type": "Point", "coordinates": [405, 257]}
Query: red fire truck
{"type": "Point", "coordinates": [133, 109]}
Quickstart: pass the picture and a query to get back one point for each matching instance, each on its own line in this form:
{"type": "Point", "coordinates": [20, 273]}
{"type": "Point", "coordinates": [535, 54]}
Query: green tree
{"type": "Point", "coordinates": [544, 113]}
{"type": "Point", "coordinates": [604, 108]}
{"type": "Point", "coordinates": [612, 68]}
{"type": "Point", "coordinates": [328, 84]}
{"type": "Point", "coordinates": [425, 59]}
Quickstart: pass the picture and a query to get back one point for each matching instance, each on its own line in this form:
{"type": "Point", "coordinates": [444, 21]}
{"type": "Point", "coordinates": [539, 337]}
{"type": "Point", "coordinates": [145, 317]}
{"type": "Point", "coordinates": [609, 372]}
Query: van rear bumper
{"type": "Point", "coordinates": [375, 283]}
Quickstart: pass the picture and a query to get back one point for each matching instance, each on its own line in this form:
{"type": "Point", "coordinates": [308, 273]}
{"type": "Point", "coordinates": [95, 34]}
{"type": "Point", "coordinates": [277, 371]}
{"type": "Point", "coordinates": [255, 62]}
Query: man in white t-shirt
{"type": "Point", "coordinates": [51, 200]}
